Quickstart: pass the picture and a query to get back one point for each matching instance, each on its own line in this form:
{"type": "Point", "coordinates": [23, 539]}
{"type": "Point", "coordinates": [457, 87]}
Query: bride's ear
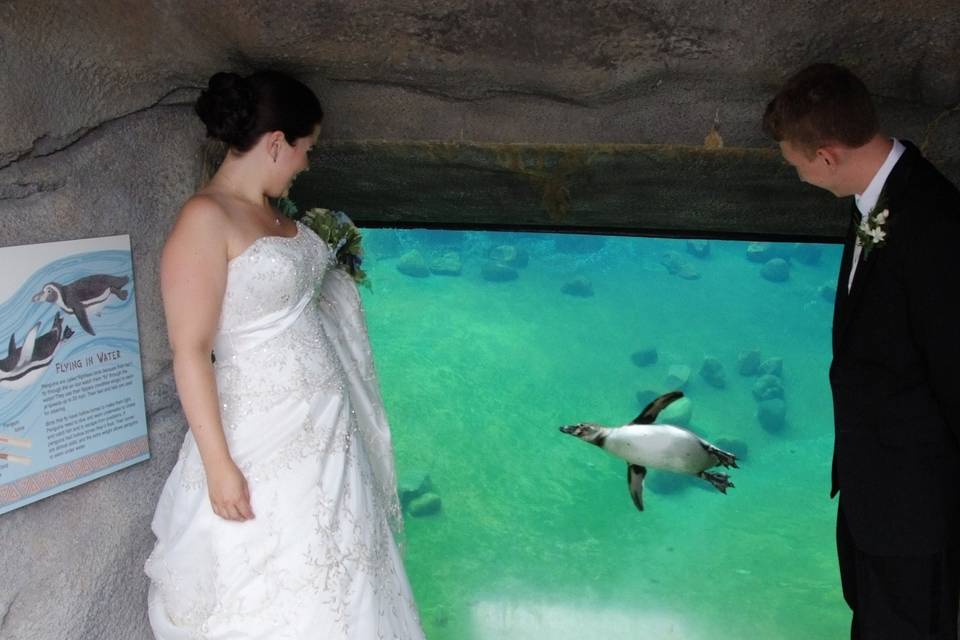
{"type": "Point", "coordinates": [274, 142]}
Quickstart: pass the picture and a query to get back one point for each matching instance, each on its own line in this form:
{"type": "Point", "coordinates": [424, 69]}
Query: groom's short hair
{"type": "Point", "coordinates": [819, 105]}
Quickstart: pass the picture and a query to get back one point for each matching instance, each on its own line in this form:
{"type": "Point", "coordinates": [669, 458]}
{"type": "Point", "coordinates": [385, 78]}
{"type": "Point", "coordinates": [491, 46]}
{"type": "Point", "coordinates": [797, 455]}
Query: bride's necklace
{"type": "Point", "coordinates": [234, 191]}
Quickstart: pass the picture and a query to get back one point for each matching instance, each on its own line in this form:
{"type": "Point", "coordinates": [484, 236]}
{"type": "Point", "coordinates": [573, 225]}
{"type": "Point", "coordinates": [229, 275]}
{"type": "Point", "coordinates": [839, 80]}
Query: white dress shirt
{"type": "Point", "coordinates": [867, 200]}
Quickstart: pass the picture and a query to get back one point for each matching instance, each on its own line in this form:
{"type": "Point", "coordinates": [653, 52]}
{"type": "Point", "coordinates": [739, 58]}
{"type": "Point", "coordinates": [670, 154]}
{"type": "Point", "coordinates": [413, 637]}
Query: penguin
{"type": "Point", "coordinates": [84, 296]}
{"type": "Point", "coordinates": [25, 363]}
{"type": "Point", "coordinates": [45, 345]}
{"type": "Point", "coordinates": [659, 446]}
{"type": "Point", "coordinates": [13, 356]}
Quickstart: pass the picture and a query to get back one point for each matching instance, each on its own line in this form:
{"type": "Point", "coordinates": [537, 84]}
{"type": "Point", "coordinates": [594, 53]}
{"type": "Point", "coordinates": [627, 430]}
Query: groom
{"type": "Point", "coordinates": [895, 373]}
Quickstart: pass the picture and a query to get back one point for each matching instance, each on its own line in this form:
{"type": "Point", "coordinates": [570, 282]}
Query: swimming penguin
{"type": "Point", "coordinates": [659, 446]}
{"type": "Point", "coordinates": [13, 356]}
{"type": "Point", "coordinates": [84, 296]}
{"type": "Point", "coordinates": [25, 363]}
{"type": "Point", "coordinates": [45, 345]}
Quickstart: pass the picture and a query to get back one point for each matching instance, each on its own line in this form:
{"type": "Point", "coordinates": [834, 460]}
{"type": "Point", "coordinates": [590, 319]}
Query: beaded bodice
{"type": "Point", "coordinates": [271, 341]}
{"type": "Point", "coordinates": [270, 277]}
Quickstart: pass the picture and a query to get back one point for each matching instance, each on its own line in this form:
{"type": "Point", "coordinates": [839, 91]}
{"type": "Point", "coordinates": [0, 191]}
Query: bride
{"type": "Point", "coordinates": [277, 520]}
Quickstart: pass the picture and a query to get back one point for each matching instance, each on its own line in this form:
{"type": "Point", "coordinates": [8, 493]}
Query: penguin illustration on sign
{"type": "Point", "coordinates": [25, 363]}
{"type": "Point", "coordinates": [643, 444]}
{"type": "Point", "coordinates": [84, 297]}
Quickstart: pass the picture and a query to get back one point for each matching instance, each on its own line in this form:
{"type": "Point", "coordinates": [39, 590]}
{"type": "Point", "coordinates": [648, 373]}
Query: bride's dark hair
{"type": "Point", "coordinates": [239, 110]}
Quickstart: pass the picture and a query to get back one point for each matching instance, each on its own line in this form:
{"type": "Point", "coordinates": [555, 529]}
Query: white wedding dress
{"type": "Point", "coordinates": [304, 421]}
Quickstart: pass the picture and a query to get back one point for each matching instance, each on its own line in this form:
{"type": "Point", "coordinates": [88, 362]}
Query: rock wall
{"type": "Point", "coordinates": [73, 562]}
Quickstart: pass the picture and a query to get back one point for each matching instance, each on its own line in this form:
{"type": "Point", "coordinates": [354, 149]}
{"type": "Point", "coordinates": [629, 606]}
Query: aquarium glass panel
{"type": "Point", "coordinates": [487, 342]}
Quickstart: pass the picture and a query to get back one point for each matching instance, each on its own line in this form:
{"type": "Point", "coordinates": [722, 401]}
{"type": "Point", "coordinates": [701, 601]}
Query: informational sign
{"type": "Point", "coordinates": [71, 387]}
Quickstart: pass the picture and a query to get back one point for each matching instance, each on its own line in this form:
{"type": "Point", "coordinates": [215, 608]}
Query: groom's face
{"type": "Point", "coordinates": [818, 170]}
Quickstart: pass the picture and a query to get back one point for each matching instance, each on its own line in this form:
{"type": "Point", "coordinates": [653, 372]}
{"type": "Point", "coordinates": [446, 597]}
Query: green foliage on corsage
{"type": "Point", "coordinates": [337, 230]}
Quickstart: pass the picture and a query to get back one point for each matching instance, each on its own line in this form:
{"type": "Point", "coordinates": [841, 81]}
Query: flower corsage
{"type": "Point", "coordinates": [870, 232]}
{"type": "Point", "coordinates": [337, 230]}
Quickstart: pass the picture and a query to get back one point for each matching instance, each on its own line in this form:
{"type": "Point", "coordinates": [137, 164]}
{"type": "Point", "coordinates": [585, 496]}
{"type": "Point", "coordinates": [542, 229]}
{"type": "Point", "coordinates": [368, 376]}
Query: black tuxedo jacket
{"type": "Point", "coordinates": [895, 374]}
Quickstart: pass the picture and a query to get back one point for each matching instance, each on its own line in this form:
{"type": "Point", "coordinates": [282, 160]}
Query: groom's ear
{"type": "Point", "coordinates": [830, 155]}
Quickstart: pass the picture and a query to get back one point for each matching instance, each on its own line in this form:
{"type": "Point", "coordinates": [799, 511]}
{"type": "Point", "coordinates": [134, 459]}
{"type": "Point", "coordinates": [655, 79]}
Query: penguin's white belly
{"type": "Point", "coordinates": [659, 446]}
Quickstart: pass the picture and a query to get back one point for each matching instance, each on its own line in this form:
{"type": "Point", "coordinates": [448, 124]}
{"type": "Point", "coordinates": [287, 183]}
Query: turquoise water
{"type": "Point", "coordinates": [537, 536]}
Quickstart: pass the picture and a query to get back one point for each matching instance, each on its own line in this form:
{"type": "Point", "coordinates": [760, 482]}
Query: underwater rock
{"type": "Point", "coordinates": [776, 270]}
{"type": "Point", "coordinates": [712, 371]}
{"type": "Point", "coordinates": [496, 272]}
{"type": "Point", "coordinates": [677, 266]}
{"type": "Point", "coordinates": [672, 261]}
{"type": "Point", "coordinates": [767, 387]}
{"type": "Point", "coordinates": [679, 412]}
{"type": "Point", "coordinates": [666, 483]}
{"type": "Point", "coordinates": [678, 375]}
{"type": "Point", "coordinates": [688, 272]}
{"type": "Point", "coordinates": [698, 248]}
{"type": "Point", "coordinates": [772, 414]}
{"type": "Point", "coordinates": [578, 243]}
{"type": "Point", "coordinates": [413, 264]}
{"type": "Point", "coordinates": [772, 366]}
{"type": "Point", "coordinates": [758, 252]}
{"type": "Point", "coordinates": [644, 357]}
{"type": "Point", "coordinates": [580, 287]}
{"type": "Point", "coordinates": [381, 243]}
{"type": "Point", "coordinates": [736, 446]}
{"type": "Point", "coordinates": [510, 255]}
{"type": "Point", "coordinates": [428, 504]}
{"type": "Point", "coordinates": [828, 292]}
{"type": "Point", "coordinates": [449, 264]}
{"type": "Point", "coordinates": [748, 362]}
{"type": "Point", "coordinates": [413, 484]}
{"type": "Point", "coordinates": [646, 396]}
{"type": "Point", "coordinates": [806, 253]}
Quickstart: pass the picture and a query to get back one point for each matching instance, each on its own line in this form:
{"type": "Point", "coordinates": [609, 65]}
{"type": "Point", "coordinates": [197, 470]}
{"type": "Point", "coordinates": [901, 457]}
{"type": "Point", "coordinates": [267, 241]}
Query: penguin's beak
{"type": "Point", "coordinates": [570, 429]}
{"type": "Point", "coordinates": [38, 297]}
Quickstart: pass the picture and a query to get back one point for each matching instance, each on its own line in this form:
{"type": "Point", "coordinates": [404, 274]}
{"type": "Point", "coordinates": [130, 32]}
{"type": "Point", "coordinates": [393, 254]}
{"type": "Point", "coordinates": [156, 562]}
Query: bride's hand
{"type": "Point", "coordinates": [229, 494]}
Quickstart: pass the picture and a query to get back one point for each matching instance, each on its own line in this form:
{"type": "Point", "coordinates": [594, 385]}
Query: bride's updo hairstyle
{"type": "Point", "coordinates": [239, 110]}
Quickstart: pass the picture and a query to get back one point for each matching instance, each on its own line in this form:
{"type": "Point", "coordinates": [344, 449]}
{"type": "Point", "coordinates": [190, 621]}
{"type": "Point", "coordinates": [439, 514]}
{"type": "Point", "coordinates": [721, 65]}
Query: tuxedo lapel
{"type": "Point", "coordinates": [860, 276]}
{"type": "Point", "coordinates": [847, 303]}
{"type": "Point", "coordinates": [841, 303]}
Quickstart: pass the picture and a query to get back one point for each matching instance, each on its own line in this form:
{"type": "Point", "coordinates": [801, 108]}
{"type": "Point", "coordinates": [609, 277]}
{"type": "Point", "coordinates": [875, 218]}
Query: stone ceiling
{"type": "Point", "coordinates": [480, 71]}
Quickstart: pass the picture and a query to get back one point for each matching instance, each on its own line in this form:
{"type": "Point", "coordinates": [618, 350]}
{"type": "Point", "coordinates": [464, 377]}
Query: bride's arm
{"type": "Point", "coordinates": [193, 276]}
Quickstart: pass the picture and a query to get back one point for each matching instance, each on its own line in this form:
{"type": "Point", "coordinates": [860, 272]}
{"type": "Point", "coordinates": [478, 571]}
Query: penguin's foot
{"type": "Point", "coordinates": [724, 458]}
{"type": "Point", "coordinates": [720, 481]}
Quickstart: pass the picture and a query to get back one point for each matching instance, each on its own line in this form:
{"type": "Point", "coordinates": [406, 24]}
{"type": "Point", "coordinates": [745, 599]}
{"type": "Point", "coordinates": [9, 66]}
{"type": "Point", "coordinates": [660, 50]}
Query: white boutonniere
{"type": "Point", "coordinates": [871, 233]}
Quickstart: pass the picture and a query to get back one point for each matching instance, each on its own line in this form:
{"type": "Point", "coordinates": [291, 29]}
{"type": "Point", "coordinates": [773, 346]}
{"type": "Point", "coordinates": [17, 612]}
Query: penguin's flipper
{"type": "Point", "coordinates": [26, 351]}
{"type": "Point", "coordinates": [652, 410]}
{"type": "Point", "coordinates": [635, 476]}
{"type": "Point", "coordinates": [81, 312]}
{"type": "Point", "coordinates": [13, 356]}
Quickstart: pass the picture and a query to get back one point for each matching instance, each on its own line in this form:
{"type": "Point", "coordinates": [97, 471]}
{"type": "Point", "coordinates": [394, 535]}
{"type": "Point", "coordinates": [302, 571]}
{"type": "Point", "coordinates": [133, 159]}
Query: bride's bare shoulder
{"type": "Point", "coordinates": [204, 210]}
{"type": "Point", "coordinates": [202, 223]}
{"type": "Point", "coordinates": [203, 213]}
